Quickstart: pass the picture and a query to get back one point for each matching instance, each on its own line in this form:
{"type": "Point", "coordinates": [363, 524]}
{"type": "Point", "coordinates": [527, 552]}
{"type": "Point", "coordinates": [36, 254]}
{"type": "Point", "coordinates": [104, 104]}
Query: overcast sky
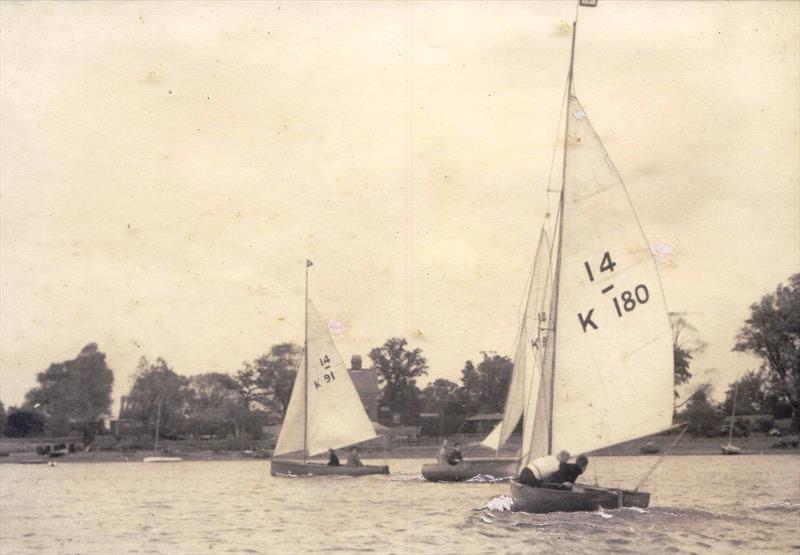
{"type": "Point", "coordinates": [166, 168]}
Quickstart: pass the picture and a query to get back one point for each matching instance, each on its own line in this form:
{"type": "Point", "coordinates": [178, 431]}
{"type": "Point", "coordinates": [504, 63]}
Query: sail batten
{"type": "Point", "coordinates": [334, 416]}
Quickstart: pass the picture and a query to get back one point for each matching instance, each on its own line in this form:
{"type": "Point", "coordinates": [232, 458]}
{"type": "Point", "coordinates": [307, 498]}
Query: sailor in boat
{"type": "Point", "coordinates": [333, 460]}
{"type": "Point", "coordinates": [569, 472]}
{"type": "Point", "coordinates": [455, 457]}
{"type": "Point", "coordinates": [441, 455]}
{"type": "Point", "coordinates": [354, 459]}
{"type": "Point", "coordinates": [546, 471]}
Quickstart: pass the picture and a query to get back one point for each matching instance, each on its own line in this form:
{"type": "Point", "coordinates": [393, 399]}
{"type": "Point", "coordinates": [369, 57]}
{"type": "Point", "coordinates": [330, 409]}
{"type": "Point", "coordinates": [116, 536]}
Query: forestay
{"type": "Point", "coordinates": [336, 415]}
{"type": "Point", "coordinates": [613, 346]}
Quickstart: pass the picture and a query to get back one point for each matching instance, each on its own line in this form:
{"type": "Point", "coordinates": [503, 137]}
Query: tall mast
{"type": "Point", "coordinates": [558, 247]}
{"type": "Point", "coordinates": [158, 425]}
{"type": "Point", "coordinates": [305, 372]}
{"type": "Point", "coordinates": [733, 412]}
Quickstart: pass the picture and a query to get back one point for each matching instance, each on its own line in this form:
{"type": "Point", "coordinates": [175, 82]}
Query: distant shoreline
{"type": "Point", "coordinates": [20, 451]}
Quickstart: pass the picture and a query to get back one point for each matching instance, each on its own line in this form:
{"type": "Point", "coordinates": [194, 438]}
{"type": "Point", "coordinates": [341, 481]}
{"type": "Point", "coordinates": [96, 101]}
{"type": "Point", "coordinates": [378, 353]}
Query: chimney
{"type": "Point", "coordinates": [355, 362]}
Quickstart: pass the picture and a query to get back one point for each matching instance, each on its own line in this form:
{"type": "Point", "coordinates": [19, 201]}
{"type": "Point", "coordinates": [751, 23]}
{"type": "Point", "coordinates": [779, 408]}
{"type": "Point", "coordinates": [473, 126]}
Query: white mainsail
{"type": "Point", "coordinates": [527, 358]}
{"type": "Point", "coordinates": [335, 416]}
{"type": "Point", "coordinates": [612, 369]}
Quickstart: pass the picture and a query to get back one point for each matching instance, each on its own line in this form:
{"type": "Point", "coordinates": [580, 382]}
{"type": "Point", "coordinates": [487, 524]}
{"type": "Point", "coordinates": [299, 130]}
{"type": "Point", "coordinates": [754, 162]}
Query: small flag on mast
{"type": "Point", "coordinates": [588, 3]}
{"type": "Point", "coordinates": [309, 263]}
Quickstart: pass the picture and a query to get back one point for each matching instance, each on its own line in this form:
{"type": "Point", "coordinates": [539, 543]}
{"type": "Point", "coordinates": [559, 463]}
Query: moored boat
{"type": "Point", "coordinates": [162, 459]}
{"type": "Point", "coordinates": [731, 449]}
{"type": "Point", "coordinates": [649, 448]}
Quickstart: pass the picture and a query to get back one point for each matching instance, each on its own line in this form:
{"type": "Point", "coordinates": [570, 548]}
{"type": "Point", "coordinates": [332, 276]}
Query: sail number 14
{"type": "Point", "coordinates": [627, 301]}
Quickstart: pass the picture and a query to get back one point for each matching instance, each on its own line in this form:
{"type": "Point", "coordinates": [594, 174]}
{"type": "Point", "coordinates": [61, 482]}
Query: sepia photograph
{"type": "Point", "coordinates": [400, 277]}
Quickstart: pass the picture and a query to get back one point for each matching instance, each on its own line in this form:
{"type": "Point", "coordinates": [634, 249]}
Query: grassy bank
{"type": "Point", "coordinates": [106, 450]}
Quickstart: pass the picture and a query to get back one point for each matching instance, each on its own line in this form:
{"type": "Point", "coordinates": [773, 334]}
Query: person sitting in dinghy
{"type": "Point", "coordinates": [441, 456]}
{"type": "Point", "coordinates": [455, 457]}
{"type": "Point", "coordinates": [552, 470]}
{"type": "Point", "coordinates": [333, 460]}
{"type": "Point", "coordinates": [354, 459]}
{"type": "Point", "coordinates": [569, 472]}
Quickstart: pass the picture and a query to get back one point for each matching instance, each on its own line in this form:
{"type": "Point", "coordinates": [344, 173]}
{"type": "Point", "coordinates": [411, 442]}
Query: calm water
{"type": "Point", "coordinates": [748, 504]}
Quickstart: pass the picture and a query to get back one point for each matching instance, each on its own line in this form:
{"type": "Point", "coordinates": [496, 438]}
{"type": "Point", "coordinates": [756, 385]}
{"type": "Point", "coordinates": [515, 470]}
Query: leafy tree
{"type": "Point", "coordinates": [157, 385]}
{"type": "Point", "coordinates": [750, 395]}
{"type": "Point", "coordinates": [246, 385]}
{"type": "Point", "coordinates": [75, 392]}
{"type": "Point", "coordinates": [24, 423]}
{"type": "Point", "coordinates": [398, 369]}
{"type": "Point", "coordinates": [772, 333]}
{"type": "Point", "coordinates": [269, 379]}
{"type": "Point", "coordinates": [685, 344]}
{"type": "Point", "coordinates": [704, 418]}
{"type": "Point", "coordinates": [2, 418]}
{"type": "Point", "coordinates": [485, 387]}
{"type": "Point", "coordinates": [442, 396]}
{"type": "Point", "coordinates": [470, 392]}
{"type": "Point", "coordinates": [276, 372]}
{"type": "Point", "coordinates": [214, 406]}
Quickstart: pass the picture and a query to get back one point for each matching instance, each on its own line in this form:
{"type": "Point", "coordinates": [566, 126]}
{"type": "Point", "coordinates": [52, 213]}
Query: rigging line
{"type": "Point", "coordinates": [661, 458]}
{"type": "Point", "coordinates": [572, 59]}
{"type": "Point", "coordinates": [561, 112]}
{"type": "Point", "coordinates": [305, 374]}
{"type": "Point", "coordinates": [569, 90]}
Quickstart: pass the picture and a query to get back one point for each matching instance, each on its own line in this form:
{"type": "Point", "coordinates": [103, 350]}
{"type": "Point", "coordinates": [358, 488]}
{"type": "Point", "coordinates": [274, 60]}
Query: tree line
{"type": "Point", "coordinates": [772, 334]}
{"type": "Point", "coordinates": [74, 396]}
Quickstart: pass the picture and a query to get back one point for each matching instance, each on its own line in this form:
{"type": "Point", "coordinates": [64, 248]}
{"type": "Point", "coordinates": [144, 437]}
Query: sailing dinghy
{"type": "Point", "coordinates": [324, 412]}
{"type": "Point", "coordinates": [527, 365]}
{"type": "Point", "coordinates": [607, 375]}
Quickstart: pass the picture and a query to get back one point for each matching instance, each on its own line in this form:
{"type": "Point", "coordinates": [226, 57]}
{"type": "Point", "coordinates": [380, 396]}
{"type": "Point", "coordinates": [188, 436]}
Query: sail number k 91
{"type": "Point", "coordinates": [325, 363]}
{"type": "Point", "coordinates": [627, 301]}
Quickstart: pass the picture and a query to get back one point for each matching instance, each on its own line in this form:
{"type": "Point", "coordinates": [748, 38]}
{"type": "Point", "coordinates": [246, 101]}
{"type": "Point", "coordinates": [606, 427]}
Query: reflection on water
{"type": "Point", "coordinates": [748, 504]}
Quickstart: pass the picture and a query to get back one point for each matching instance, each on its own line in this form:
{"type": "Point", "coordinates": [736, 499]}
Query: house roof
{"type": "Point", "coordinates": [496, 416]}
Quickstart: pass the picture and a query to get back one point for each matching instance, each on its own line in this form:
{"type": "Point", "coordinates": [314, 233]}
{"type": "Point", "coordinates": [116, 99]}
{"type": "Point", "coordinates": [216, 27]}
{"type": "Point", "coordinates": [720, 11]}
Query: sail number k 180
{"type": "Point", "coordinates": [627, 301]}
